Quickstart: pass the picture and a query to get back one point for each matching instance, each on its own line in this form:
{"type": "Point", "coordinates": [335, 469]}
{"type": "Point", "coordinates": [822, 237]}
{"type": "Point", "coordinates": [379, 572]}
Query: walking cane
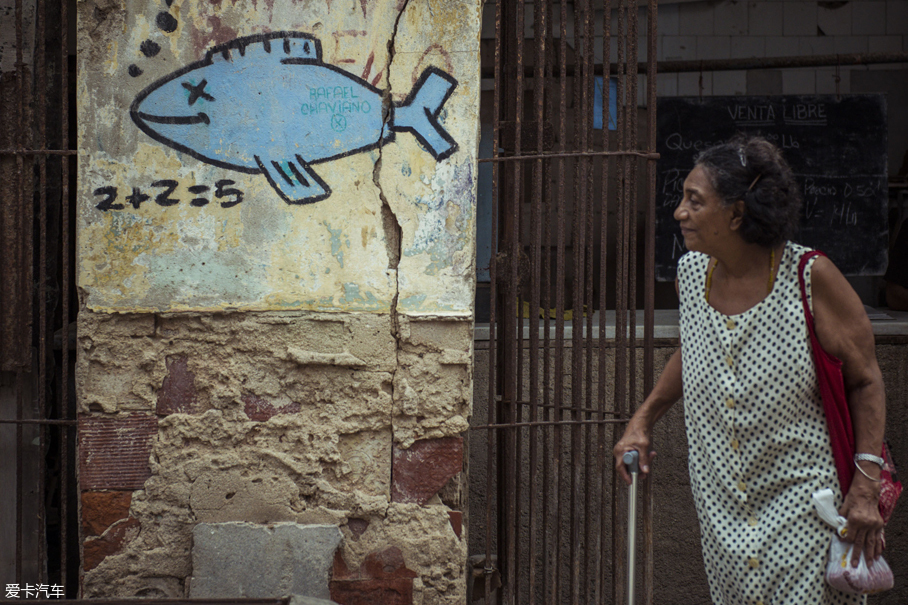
{"type": "Point", "coordinates": [632, 462]}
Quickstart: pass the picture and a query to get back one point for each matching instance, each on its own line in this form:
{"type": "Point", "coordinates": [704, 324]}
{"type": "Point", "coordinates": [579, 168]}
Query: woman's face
{"type": "Point", "coordinates": [706, 223]}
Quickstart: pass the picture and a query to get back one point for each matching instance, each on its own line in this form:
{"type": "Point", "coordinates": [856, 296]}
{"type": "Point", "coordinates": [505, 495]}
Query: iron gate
{"type": "Point", "coordinates": [38, 535]}
{"type": "Point", "coordinates": [574, 218]}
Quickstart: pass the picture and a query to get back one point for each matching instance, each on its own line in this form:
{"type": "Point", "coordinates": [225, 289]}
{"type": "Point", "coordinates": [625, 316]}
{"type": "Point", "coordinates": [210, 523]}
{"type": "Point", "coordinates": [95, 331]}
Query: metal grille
{"type": "Point", "coordinates": [573, 205]}
{"type": "Point", "coordinates": [38, 538]}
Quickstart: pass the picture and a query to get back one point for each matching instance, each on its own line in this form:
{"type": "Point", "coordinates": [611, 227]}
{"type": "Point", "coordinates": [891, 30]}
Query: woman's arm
{"type": "Point", "coordinates": [844, 331]}
{"type": "Point", "coordinates": [638, 434]}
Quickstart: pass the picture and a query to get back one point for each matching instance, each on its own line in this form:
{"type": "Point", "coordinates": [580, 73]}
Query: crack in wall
{"type": "Point", "coordinates": [390, 223]}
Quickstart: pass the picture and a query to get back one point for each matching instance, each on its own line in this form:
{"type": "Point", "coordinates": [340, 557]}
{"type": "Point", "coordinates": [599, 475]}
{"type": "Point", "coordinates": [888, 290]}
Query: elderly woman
{"type": "Point", "coordinates": [756, 430]}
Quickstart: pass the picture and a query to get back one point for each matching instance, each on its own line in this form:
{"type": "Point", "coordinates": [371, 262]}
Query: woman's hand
{"type": "Point", "coordinates": [865, 525]}
{"type": "Point", "coordinates": [635, 438]}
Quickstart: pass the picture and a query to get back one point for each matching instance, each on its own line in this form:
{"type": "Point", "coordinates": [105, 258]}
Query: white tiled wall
{"type": "Point", "coordinates": [702, 30]}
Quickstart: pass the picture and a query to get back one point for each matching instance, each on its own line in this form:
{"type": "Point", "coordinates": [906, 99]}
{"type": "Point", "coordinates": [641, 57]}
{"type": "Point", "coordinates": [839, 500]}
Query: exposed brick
{"type": "Point", "coordinates": [96, 550]}
{"type": "Point", "coordinates": [357, 527]}
{"type": "Point", "coordinates": [100, 510]}
{"type": "Point", "coordinates": [423, 469]}
{"type": "Point", "coordinates": [178, 394]}
{"type": "Point", "coordinates": [113, 451]}
{"type": "Point", "coordinates": [382, 578]}
{"type": "Point", "coordinates": [260, 409]}
{"type": "Point", "coordinates": [456, 521]}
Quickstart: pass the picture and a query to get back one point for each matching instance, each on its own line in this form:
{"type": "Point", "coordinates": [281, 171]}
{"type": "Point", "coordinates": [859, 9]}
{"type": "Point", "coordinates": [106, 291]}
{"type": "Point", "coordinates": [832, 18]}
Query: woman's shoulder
{"type": "Point", "coordinates": [691, 261]}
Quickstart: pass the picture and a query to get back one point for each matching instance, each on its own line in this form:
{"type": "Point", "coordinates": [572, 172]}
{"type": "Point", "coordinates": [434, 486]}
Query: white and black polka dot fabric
{"type": "Point", "coordinates": [758, 443]}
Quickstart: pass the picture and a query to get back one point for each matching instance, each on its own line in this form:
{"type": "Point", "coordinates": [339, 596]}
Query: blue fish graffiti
{"type": "Point", "coordinates": [267, 104]}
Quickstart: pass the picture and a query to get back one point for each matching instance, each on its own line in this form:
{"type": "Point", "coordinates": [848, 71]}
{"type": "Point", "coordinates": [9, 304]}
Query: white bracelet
{"type": "Point", "coordinates": [869, 458]}
{"type": "Point", "coordinates": [863, 472]}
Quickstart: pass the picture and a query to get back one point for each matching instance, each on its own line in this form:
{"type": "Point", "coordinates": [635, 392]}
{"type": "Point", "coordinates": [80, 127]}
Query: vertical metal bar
{"type": "Point", "coordinates": [559, 307]}
{"type": "Point", "coordinates": [23, 282]}
{"type": "Point", "coordinates": [540, 31]}
{"type": "Point", "coordinates": [492, 438]}
{"type": "Point", "coordinates": [621, 378]}
{"type": "Point", "coordinates": [603, 281]}
{"type": "Point", "coordinates": [649, 277]}
{"type": "Point", "coordinates": [41, 109]}
{"type": "Point", "coordinates": [64, 310]}
{"type": "Point", "coordinates": [578, 241]}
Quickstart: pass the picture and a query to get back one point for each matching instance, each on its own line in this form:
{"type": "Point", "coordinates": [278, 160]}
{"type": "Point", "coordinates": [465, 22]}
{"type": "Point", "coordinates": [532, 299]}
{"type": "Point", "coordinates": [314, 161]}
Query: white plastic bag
{"type": "Point", "coordinates": [863, 579]}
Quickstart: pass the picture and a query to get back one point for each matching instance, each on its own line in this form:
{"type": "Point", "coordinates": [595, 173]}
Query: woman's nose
{"type": "Point", "coordinates": [680, 212]}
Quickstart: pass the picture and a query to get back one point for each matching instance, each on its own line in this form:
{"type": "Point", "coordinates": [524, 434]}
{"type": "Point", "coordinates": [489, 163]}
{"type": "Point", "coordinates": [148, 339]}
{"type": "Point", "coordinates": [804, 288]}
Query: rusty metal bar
{"type": "Point", "coordinates": [42, 422]}
{"type": "Point", "coordinates": [509, 425]}
{"type": "Point", "coordinates": [575, 154]}
{"type": "Point", "coordinates": [491, 440]}
{"type": "Point", "coordinates": [39, 152]}
{"type": "Point", "coordinates": [20, 377]}
{"type": "Point", "coordinates": [65, 285]}
{"type": "Point", "coordinates": [41, 105]}
{"type": "Point", "coordinates": [743, 64]}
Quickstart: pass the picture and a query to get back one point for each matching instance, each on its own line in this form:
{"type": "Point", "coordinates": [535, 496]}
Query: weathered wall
{"type": "Point", "coordinates": [678, 564]}
{"type": "Point", "coordinates": [276, 245]}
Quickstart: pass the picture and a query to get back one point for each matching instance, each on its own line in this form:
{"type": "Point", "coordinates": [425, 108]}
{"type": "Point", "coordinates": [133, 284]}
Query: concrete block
{"type": "Point", "coordinates": [764, 18]}
{"type": "Point", "coordinates": [242, 560]}
{"type": "Point", "coordinates": [764, 82]}
{"type": "Point", "coordinates": [667, 20]}
{"type": "Point", "coordinates": [695, 19]}
{"type": "Point", "coordinates": [799, 81]}
{"type": "Point", "coordinates": [781, 46]}
{"type": "Point", "coordinates": [816, 45]}
{"type": "Point", "coordinates": [679, 48]}
{"type": "Point", "coordinates": [301, 600]}
{"type": "Point", "coordinates": [689, 84]}
{"type": "Point", "coordinates": [745, 47]}
{"type": "Point", "coordinates": [835, 20]}
{"type": "Point", "coordinates": [851, 44]}
{"type": "Point", "coordinates": [713, 47]}
{"type": "Point", "coordinates": [731, 18]}
{"type": "Point", "coordinates": [869, 18]}
{"type": "Point", "coordinates": [730, 83]}
{"type": "Point", "coordinates": [896, 16]}
{"type": "Point", "coordinates": [800, 19]}
{"type": "Point", "coordinates": [667, 85]}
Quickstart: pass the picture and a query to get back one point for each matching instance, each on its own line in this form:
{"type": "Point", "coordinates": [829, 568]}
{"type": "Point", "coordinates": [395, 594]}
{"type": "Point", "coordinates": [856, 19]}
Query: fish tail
{"type": "Point", "coordinates": [418, 113]}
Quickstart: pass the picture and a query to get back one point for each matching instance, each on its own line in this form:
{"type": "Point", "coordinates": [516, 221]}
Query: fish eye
{"type": "Point", "coordinates": [196, 91]}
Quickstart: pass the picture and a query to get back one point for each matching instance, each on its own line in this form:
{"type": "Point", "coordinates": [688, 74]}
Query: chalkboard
{"type": "Point", "coordinates": [836, 146]}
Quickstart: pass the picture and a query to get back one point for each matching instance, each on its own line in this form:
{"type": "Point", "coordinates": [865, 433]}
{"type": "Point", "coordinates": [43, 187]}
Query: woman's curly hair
{"type": "Point", "coordinates": [753, 170]}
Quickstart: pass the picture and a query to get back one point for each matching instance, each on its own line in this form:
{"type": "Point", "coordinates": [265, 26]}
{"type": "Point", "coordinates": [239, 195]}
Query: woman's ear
{"type": "Point", "coordinates": [737, 214]}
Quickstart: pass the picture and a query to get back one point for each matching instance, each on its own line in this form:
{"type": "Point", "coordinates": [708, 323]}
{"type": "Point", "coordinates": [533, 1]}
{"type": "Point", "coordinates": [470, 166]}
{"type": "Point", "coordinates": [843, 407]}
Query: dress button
{"type": "Point", "coordinates": [729, 403]}
{"type": "Point", "coordinates": [752, 521]}
{"type": "Point", "coordinates": [760, 603]}
{"type": "Point", "coordinates": [729, 361]}
{"type": "Point", "coordinates": [734, 444]}
{"type": "Point", "coordinates": [730, 324]}
{"type": "Point", "coordinates": [753, 563]}
{"type": "Point", "coordinates": [742, 486]}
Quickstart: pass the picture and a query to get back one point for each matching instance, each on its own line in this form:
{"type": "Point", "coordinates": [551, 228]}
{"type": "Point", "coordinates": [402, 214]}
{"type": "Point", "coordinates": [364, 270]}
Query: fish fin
{"type": "Point", "coordinates": [294, 180]}
{"type": "Point", "coordinates": [295, 46]}
{"type": "Point", "coordinates": [418, 113]}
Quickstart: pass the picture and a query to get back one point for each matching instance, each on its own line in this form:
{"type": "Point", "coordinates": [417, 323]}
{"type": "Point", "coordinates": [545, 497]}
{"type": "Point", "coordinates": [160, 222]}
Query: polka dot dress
{"type": "Point", "coordinates": [758, 443]}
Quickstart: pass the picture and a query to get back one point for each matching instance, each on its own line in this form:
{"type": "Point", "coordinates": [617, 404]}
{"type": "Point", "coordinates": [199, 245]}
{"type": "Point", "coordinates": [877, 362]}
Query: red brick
{"type": "Point", "coordinates": [357, 527]}
{"type": "Point", "coordinates": [260, 409]}
{"type": "Point", "coordinates": [100, 510]}
{"type": "Point", "coordinates": [114, 451]}
{"type": "Point", "coordinates": [456, 518]}
{"type": "Point", "coordinates": [178, 394]}
{"type": "Point", "coordinates": [96, 550]}
{"type": "Point", "coordinates": [423, 469]}
{"type": "Point", "coordinates": [383, 578]}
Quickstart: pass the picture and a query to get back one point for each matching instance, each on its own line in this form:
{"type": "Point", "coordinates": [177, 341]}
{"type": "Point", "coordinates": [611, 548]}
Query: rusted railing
{"type": "Point", "coordinates": [36, 237]}
{"type": "Point", "coordinates": [568, 215]}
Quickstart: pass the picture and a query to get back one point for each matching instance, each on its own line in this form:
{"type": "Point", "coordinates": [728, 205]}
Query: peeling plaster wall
{"type": "Point", "coordinates": [289, 342]}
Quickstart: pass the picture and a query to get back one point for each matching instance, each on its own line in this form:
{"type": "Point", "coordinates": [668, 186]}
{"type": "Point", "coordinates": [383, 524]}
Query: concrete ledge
{"type": "Point", "coordinates": [242, 560]}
